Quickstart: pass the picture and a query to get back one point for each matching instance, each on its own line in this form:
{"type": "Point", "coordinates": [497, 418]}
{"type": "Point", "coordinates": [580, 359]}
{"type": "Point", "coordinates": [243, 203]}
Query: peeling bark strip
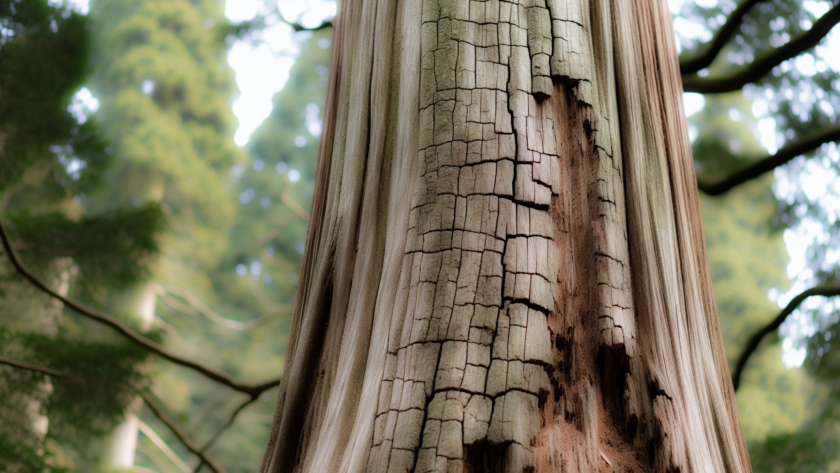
{"type": "Point", "coordinates": [505, 270]}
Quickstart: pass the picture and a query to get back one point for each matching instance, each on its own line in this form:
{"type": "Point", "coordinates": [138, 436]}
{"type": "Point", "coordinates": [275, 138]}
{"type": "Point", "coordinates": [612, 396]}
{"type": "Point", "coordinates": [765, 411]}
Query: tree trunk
{"type": "Point", "coordinates": [121, 445]}
{"type": "Point", "coordinates": [505, 269]}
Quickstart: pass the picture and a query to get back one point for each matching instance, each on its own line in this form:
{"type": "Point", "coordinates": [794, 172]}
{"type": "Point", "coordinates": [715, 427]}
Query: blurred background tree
{"type": "Point", "coordinates": [51, 156]}
{"type": "Point", "coordinates": [148, 210]}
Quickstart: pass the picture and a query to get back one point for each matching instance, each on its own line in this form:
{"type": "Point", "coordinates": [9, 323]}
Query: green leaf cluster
{"type": "Point", "coordinates": [111, 249]}
{"type": "Point", "coordinates": [51, 160]}
{"type": "Point", "coordinates": [43, 60]}
{"type": "Point", "coordinates": [40, 410]}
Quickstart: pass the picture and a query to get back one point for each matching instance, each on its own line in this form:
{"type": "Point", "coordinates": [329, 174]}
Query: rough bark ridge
{"type": "Point", "coordinates": [529, 292]}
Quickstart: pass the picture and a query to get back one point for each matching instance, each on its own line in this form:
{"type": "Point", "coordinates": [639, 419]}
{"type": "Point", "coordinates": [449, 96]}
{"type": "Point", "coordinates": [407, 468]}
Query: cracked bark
{"type": "Point", "coordinates": [505, 269]}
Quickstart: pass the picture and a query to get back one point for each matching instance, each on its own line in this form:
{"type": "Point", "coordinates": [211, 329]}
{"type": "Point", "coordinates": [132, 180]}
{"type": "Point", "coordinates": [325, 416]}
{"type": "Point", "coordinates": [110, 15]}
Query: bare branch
{"type": "Point", "coordinates": [298, 27]}
{"type": "Point", "coordinates": [224, 427]}
{"type": "Point", "coordinates": [253, 389]}
{"type": "Point", "coordinates": [24, 246]}
{"type": "Point", "coordinates": [764, 64]}
{"type": "Point", "coordinates": [783, 156]}
{"type": "Point", "coordinates": [291, 204]}
{"type": "Point", "coordinates": [39, 369]}
{"type": "Point", "coordinates": [182, 436]}
{"type": "Point", "coordinates": [707, 52]}
{"type": "Point", "coordinates": [156, 409]}
{"type": "Point", "coordinates": [200, 307]}
{"type": "Point", "coordinates": [827, 290]}
{"type": "Point", "coordinates": [163, 447]}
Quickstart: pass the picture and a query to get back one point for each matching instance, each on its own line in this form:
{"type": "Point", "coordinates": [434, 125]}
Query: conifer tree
{"type": "Point", "coordinates": [51, 156]}
{"type": "Point", "coordinates": [161, 77]}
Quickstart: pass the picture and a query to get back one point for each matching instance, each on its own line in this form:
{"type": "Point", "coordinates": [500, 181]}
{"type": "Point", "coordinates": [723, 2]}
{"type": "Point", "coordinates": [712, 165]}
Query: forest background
{"type": "Point", "coordinates": [128, 185]}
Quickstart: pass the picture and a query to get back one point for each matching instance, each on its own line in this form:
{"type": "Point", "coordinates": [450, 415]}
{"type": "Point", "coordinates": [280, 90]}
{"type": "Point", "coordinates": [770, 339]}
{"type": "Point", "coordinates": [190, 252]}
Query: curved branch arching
{"type": "Point", "coordinates": [827, 290]}
{"type": "Point", "coordinates": [224, 427]}
{"type": "Point", "coordinates": [783, 156]}
{"type": "Point", "coordinates": [298, 27]}
{"type": "Point", "coordinates": [253, 389]}
{"type": "Point", "coordinates": [156, 409]}
{"type": "Point", "coordinates": [182, 436]}
{"type": "Point", "coordinates": [708, 52]}
{"type": "Point", "coordinates": [198, 306]}
{"type": "Point", "coordinates": [761, 66]}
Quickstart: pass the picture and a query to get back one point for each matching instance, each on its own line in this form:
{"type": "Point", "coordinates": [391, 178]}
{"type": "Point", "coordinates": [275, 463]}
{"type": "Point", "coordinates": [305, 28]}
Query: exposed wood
{"type": "Point", "coordinates": [506, 269]}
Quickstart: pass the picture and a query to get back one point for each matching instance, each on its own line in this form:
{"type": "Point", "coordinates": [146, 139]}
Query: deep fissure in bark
{"type": "Point", "coordinates": [513, 259]}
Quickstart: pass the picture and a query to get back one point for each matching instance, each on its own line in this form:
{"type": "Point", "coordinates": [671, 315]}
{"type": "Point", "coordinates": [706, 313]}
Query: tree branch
{"type": "Point", "coordinates": [182, 436]}
{"type": "Point", "coordinates": [783, 156]}
{"type": "Point", "coordinates": [228, 423]}
{"type": "Point", "coordinates": [253, 389]}
{"type": "Point", "coordinates": [200, 307]}
{"type": "Point", "coordinates": [764, 64]}
{"type": "Point", "coordinates": [39, 369]}
{"type": "Point", "coordinates": [224, 427]}
{"type": "Point", "coordinates": [827, 290]}
{"type": "Point", "coordinates": [298, 27]}
{"type": "Point", "coordinates": [156, 409]}
{"type": "Point", "coordinates": [706, 53]}
{"type": "Point", "coordinates": [286, 198]}
{"type": "Point", "coordinates": [163, 447]}
{"type": "Point", "coordinates": [24, 246]}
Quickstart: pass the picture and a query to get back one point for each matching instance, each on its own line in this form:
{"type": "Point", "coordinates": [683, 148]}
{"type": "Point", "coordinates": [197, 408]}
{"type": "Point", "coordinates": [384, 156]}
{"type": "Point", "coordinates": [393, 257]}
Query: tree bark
{"type": "Point", "coordinates": [505, 269]}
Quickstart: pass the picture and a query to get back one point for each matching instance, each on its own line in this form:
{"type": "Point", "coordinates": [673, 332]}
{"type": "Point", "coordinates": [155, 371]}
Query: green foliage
{"type": "Point", "coordinates": [50, 159]}
{"type": "Point", "coordinates": [800, 101]}
{"type": "Point", "coordinates": [724, 145]}
{"type": "Point", "coordinates": [162, 78]}
{"type": "Point", "coordinates": [283, 146]}
{"type": "Point", "coordinates": [184, 212]}
{"type": "Point", "coordinates": [16, 443]}
{"type": "Point", "coordinates": [75, 410]}
{"type": "Point", "coordinates": [178, 134]}
{"type": "Point", "coordinates": [35, 126]}
{"type": "Point", "coordinates": [111, 249]}
{"type": "Point", "coordinates": [800, 451]}
{"type": "Point", "coordinates": [266, 234]}
{"type": "Point", "coordinates": [747, 259]}
{"type": "Point", "coordinates": [85, 407]}
{"type": "Point", "coordinates": [786, 413]}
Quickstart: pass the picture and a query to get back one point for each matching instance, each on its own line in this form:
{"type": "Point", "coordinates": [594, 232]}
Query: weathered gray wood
{"type": "Point", "coordinates": [470, 301]}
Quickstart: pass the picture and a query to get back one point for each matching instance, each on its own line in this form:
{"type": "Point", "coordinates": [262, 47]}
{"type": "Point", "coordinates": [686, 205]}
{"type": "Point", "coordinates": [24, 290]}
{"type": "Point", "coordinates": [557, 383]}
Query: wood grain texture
{"type": "Point", "coordinates": [505, 268]}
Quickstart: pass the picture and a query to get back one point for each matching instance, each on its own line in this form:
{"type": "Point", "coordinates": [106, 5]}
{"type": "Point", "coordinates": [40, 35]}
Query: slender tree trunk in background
{"type": "Point", "coordinates": [505, 269]}
{"type": "Point", "coordinates": [121, 446]}
{"type": "Point", "coordinates": [138, 301]}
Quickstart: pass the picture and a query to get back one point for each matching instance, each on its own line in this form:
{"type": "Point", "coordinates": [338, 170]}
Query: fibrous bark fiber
{"type": "Point", "coordinates": [505, 269]}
